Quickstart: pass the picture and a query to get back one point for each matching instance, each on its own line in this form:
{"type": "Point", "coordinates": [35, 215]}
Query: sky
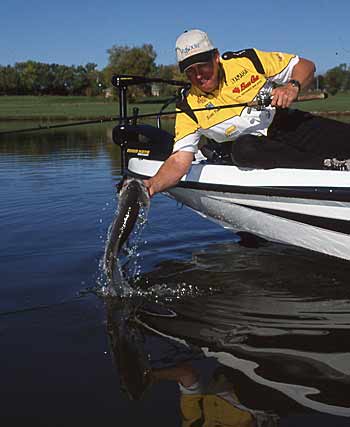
{"type": "Point", "coordinates": [76, 32]}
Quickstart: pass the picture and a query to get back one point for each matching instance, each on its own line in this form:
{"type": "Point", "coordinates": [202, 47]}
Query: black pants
{"type": "Point", "coordinates": [295, 139]}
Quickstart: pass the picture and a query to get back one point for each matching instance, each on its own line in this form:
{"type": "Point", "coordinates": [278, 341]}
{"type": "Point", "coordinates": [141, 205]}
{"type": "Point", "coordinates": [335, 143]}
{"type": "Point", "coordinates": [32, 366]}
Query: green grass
{"type": "Point", "coordinates": [48, 108]}
{"type": "Point", "coordinates": [45, 108]}
{"type": "Point", "coordinates": [339, 103]}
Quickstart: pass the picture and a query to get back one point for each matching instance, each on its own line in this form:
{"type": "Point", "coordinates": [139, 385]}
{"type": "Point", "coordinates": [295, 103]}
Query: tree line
{"type": "Point", "coordinates": [37, 78]}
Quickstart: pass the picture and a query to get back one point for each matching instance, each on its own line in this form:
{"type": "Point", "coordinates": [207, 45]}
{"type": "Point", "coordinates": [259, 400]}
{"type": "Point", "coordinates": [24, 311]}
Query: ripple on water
{"type": "Point", "coordinates": [281, 317]}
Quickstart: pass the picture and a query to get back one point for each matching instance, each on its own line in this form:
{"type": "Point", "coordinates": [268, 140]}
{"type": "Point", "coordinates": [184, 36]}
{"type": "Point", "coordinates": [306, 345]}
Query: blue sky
{"type": "Point", "coordinates": [77, 32]}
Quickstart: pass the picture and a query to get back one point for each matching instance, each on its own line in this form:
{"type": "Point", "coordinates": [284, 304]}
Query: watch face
{"type": "Point", "coordinates": [295, 83]}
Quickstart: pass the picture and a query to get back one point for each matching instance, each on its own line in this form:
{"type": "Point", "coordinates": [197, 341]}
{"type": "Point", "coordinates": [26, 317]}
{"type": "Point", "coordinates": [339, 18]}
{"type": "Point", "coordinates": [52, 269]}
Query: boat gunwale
{"type": "Point", "coordinates": [336, 194]}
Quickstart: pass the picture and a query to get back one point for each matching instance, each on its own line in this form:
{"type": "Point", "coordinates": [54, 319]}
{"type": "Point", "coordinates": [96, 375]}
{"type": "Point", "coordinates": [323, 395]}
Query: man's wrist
{"type": "Point", "coordinates": [295, 83]}
{"type": "Point", "coordinates": [195, 388]}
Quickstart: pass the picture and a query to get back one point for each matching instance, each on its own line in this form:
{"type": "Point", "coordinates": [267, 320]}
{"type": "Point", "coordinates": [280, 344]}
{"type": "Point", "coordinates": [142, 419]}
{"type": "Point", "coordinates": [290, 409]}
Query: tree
{"type": "Point", "coordinates": [337, 79]}
{"type": "Point", "coordinates": [94, 80]}
{"type": "Point", "coordinates": [9, 80]}
{"type": "Point", "coordinates": [138, 61]}
{"type": "Point", "coordinates": [169, 72]}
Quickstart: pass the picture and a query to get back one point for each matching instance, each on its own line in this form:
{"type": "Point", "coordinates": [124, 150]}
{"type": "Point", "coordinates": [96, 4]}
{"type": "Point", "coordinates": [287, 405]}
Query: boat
{"type": "Point", "coordinates": [300, 207]}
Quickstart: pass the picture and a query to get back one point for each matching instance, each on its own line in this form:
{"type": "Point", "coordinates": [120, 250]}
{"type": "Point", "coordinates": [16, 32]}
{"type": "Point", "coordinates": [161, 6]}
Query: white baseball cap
{"type": "Point", "coordinates": [193, 47]}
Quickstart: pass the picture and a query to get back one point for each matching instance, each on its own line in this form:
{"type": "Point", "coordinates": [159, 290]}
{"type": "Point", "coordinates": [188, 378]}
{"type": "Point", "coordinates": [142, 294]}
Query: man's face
{"type": "Point", "coordinates": [205, 76]}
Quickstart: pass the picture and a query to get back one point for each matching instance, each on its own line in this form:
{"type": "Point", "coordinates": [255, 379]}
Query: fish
{"type": "Point", "coordinates": [132, 197]}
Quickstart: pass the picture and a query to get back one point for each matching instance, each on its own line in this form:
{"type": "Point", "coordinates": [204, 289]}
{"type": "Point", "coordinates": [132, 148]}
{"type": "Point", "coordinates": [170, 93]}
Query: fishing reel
{"type": "Point", "coordinates": [263, 99]}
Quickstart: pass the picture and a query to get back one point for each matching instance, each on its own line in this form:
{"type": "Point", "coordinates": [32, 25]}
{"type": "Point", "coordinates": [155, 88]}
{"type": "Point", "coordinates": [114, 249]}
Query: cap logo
{"type": "Point", "coordinates": [190, 44]}
{"type": "Point", "coordinates": [189, 48]}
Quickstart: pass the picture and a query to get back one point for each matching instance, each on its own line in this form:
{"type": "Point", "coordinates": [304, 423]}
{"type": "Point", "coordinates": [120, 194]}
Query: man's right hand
{"type": "Point", "coordinates": [150, 186]}
{"type": "Point", "coordinates": [170, 173]}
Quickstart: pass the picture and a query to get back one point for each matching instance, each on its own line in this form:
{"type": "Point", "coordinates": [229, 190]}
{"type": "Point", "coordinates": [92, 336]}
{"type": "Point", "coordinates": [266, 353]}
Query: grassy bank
{"type": "Point", "coordinates": [49, 108]}
{"type": "Point", "coordinates": [337, 104]}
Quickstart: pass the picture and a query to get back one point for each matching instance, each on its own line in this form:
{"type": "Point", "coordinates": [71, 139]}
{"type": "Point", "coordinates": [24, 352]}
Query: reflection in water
{"type": "Point", "coordinates": [76, 143]}
{"type": "Point", "coordinates": [278, 325]}
{"type": "Point", "coordinates": [204, 401]}
{"type": "Point", "coordinates": [126, 341]}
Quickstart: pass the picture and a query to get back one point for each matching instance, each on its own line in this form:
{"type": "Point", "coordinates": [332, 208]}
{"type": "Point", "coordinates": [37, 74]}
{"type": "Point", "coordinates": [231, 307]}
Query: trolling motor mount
{"type": "Point", "coordinates": [136, 140]}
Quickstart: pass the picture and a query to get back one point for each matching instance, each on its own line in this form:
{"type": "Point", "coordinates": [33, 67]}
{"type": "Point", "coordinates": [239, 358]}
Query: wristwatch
{"type": "Point", "coordinates": [295, 83]}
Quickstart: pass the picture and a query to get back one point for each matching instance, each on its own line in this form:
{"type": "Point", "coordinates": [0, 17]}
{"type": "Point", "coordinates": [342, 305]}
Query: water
{"type": "Point", "coordinates": [271, 323]}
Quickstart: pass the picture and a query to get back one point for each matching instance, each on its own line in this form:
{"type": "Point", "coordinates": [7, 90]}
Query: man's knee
{"type": "Point", "coordinates": [246, 148]}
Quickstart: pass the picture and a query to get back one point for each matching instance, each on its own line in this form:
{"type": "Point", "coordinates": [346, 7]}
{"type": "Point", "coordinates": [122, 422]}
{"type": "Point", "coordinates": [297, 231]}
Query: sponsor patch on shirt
{"type": "Point", "coordinates": [246, 85]}
{"type": "Point", "coordinates": [238, 76]}
{"type": "Point", "coordinates": [230, 130]}
{"type": "Point", "coordinates": [202, 99]}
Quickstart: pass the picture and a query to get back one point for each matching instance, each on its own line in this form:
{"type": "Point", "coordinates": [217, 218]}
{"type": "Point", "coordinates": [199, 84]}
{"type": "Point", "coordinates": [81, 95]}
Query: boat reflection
{"type": "Point", "coordinates": [274, 347]}
{"type": "Point", "coordinates": [144, 358]}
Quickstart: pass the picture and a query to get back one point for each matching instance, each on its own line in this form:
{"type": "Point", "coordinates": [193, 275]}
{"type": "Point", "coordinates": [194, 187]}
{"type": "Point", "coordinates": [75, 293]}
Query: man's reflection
{"type": "Point", "coordinates": [143, 359]}
{"type": "Point", "coordinates": [213, 403]}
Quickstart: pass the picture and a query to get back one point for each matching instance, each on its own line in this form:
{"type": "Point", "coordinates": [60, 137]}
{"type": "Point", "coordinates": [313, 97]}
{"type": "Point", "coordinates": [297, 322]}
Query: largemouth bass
{"type": "Point", "coordinates": [132, 197]}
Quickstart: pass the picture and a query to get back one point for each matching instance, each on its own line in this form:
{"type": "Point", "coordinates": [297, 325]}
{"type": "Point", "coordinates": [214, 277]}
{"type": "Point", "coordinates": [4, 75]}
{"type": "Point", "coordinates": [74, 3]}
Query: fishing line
{"type": "Point", "coordinates": [80, 295]}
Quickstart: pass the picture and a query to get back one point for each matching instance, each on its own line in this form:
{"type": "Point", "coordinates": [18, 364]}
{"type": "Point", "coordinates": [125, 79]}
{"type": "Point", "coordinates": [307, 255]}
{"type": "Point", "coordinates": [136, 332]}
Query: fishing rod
{"type": "Point", "coordinates": [63, 125]}
{"type": "Point", "coordinates": [253, 104]}
{"type": "Point", "coordinates": [123, 81]}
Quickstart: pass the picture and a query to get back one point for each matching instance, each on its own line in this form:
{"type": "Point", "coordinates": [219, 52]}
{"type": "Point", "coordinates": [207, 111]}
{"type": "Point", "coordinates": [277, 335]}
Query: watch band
{"type": "Point", "coordinates": [295, 83]}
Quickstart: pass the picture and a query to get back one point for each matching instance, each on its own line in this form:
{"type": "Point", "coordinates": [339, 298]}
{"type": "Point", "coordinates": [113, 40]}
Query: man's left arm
{"type": "Point", "coordinates": [301, 78]}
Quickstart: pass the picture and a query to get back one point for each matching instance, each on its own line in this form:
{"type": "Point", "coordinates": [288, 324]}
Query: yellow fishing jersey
{"type": "Point", "coordinates": [243, 75]}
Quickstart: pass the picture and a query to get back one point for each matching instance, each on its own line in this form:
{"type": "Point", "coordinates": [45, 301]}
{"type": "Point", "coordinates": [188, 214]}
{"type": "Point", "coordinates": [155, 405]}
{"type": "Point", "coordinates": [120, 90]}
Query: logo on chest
{"type": "Point", "coordinates": [244, 86]}
{"type": "Point", "coordinates": [209, 106]}
{"type": "Point", "coordinates": [239, 76]}
{"type": "Point", "coordinates": [212, 108]}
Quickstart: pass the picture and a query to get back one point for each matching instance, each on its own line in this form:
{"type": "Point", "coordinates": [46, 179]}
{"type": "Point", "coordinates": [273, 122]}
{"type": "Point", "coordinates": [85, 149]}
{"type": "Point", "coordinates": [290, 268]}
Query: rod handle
{"type": "Point", "coordinates": [312, 96]}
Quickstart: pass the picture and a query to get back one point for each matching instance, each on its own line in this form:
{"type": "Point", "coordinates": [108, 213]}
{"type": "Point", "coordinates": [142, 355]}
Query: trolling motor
{"type": "Point", "coordinates": [140, 140]}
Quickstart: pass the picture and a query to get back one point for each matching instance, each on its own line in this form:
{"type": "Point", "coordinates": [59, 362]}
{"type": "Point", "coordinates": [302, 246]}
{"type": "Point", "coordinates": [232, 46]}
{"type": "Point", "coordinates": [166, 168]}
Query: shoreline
{"type": "Point", "coordinates": [331, 113]}
{"type": "Point", "coordinates": [56, 118]}
{"type": "Point", "coordinates": [110, 118]}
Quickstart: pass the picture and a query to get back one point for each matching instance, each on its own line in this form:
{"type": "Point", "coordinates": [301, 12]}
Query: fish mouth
{"type": "Point", "coordinates": [137, 184]}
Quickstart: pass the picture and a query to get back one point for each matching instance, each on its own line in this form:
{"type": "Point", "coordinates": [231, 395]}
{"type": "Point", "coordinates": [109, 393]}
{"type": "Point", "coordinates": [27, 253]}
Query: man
{"type": "Point", "coordinates": [272, 136]}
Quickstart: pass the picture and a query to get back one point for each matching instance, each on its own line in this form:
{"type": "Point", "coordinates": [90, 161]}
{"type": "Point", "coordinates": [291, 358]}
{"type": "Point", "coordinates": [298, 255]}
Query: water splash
{"type": "Point", "coordinates": [168, 293]}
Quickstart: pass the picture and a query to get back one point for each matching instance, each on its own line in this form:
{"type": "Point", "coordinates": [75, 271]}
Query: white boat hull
{"type": "Point", "coordinates": [225, 211]}
{"type": "Point", "coordinates": [305, 208]}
